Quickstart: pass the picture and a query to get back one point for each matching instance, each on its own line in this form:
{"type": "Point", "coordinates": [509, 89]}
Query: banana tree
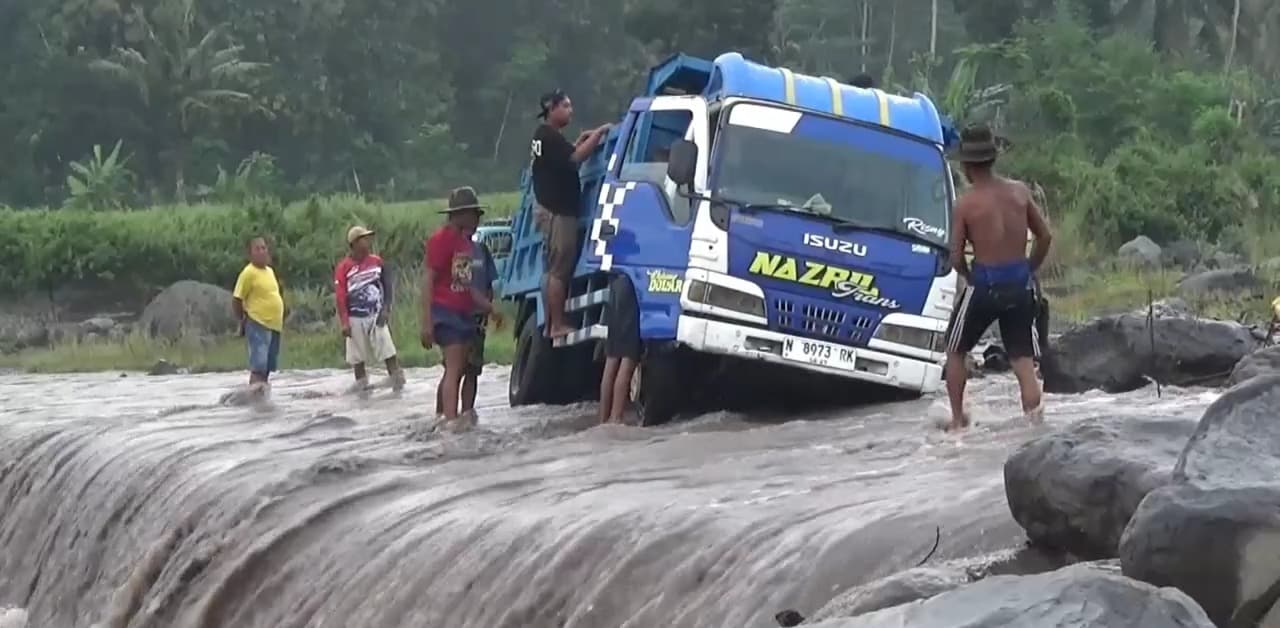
{"type": "Point", "coordinates": [182, 77]}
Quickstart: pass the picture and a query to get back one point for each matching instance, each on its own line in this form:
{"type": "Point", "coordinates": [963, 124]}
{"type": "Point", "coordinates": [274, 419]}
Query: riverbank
{"type": "Point", "coordinates": [312, 341]}
{"type": "Point", "coordinates": [1075, 296]}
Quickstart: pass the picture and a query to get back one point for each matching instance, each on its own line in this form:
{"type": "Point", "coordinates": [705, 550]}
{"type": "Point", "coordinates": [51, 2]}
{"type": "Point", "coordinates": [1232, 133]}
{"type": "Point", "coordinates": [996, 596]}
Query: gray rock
{"type": "Point", "coordinates": [1270, 267]}
{"type": "Point", "coordinates": [1114, 353]}
{"type": "Point", "coordinates": [1215, 532]}
{"type": "Point", "coordinates": [1223, 259]}
{"type": "Point", "coordinates": [1237, 442]}
{"type": "Point", "coordinates": [1183, 254]}
{"type": "Point", "coordinates": [1075, 490]}
{"type": "Point", "coordinates": [97, 325]}
{"type": "Point", "coordinates": [188, 308]}
{"type": "Point", "coordinates": [163, 367]}
{"type": "Point", "coordinates": [21, 332]}
{"type": "Point", "coordinates": [1141, 252]}
{"type": "Point", "coordinates": [1236, 281]}
{"type": "Point", "coordinates": [1218, 545]}
{"type": "Point", "coordinates": [1079, 596]}
{"type": "Point", "coordinates": [908, 586]}
{"type": "Point", "coordinates": [1260, 362]}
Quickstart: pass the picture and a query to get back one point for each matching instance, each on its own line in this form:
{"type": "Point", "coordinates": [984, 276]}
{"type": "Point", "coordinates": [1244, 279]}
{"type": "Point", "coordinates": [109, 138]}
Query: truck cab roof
{"type": "Point", "coordinates": [731, 75]}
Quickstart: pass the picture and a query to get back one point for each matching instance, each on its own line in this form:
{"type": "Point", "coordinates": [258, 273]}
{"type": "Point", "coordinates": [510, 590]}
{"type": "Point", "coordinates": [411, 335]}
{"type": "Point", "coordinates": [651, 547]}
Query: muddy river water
{"type": "Point", "coordinates": [139, 501]}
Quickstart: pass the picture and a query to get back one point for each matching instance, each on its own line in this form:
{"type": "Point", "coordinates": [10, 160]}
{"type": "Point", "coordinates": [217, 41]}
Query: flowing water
{"type": "Point", "coordinates": [139, 501]}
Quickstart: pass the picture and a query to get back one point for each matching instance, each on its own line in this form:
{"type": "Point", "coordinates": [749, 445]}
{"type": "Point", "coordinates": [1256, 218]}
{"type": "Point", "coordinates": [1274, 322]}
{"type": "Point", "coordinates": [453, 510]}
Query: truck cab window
{"type": "Point", "coordinates": [648, 149]}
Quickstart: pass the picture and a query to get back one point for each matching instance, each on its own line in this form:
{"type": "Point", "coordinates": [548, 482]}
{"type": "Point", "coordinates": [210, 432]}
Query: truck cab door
{"type": "Point", "coordinates": [643, 226]}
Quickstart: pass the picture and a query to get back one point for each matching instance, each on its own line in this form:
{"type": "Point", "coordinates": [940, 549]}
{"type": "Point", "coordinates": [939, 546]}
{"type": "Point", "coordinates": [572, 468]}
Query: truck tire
{"type": "Point", "coordinates": [658, 389]}
{"type": "Point", "coordinates": [532, 376]}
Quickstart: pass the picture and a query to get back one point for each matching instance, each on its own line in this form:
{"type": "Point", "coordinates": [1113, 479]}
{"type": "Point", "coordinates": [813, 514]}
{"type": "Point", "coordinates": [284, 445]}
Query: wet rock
{"type": "Point", "coordinates": [163, 367]}
{"type": "Point", "coordinates": [1261, 362]}
{"type": "Point", "coordinates": [1214, 533]}
{"type": "Point", "coordinates": [908, 586]}
{"type": "Point", "coordinates": [188, 308]}
{"type": "Point", "coordinates": [1075, 490]}
{"type": "Point", "coordinates": [100, 325]}
{"type": "Point", "coordinates": [1114, 353]}
{"type": "Point", "coordinates": [1079, 596]}
{"type": "Point", "coordinates": [1141, 252]}
{"type": "Point", "coordinates": [1237, 442]}
{"type": "Point", "coordinates": [1237, 281]}
{"type": "Point", "coordinates": [1218, 546]}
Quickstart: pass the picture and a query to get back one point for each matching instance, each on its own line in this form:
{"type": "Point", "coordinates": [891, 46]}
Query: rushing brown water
{"type": "Point", "coordinates": [141, 502]}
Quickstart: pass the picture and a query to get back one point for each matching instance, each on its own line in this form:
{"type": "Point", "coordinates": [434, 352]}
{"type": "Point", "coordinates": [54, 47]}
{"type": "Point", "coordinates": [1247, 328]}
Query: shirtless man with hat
{"type": "Point", "coordinates": [994, 216]}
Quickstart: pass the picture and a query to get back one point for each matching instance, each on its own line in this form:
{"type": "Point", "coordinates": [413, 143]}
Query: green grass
{"type": "Point", "coordinates": [299, 349]}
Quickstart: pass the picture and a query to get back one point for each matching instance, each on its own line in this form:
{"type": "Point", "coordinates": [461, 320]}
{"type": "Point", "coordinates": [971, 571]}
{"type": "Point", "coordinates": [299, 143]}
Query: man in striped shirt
{"type": "Point", "coordinates": [363, 293]}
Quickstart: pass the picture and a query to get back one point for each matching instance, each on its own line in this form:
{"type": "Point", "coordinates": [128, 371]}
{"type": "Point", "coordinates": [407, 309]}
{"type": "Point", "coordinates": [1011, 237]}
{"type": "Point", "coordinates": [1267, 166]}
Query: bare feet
{"type": "Point", "coordinates": [958, 423]}
{"type": "Point", "coordinates": [1035, 415]}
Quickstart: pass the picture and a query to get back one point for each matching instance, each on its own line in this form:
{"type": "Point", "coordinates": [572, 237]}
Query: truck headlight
{"type": "Point", "coordinates": [719, 296]}
{"type": "Point", "coordinates": [926, 339]}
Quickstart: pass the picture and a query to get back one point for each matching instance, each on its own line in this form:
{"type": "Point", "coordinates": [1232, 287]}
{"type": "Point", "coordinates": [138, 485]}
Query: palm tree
{"type": "Point", "coordinates": [181, 80]}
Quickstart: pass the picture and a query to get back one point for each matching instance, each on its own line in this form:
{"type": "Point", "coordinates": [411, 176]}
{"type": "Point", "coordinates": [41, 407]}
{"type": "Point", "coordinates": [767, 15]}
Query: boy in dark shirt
{"type": "Point", "coordinates": [558, 192]}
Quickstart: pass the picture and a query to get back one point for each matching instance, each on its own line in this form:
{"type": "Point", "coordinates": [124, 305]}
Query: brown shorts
{"type": "Point", "coordinates": [560, 241]}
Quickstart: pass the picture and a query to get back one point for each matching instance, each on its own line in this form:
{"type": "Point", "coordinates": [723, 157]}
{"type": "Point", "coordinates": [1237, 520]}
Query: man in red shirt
{"type": "Point", "coordinates": [363, 293]}
{"type": "Point", "coordinates": [449, 298]}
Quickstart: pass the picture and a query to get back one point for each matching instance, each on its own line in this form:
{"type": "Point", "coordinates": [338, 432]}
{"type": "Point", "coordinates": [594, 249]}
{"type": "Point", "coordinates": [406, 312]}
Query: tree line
{"type": "Point", "coordinates": [137, 102]}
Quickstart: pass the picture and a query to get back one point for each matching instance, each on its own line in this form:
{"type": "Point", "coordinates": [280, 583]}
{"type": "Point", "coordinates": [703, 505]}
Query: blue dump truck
{"type": "Point", "coordinates": [776, 228]}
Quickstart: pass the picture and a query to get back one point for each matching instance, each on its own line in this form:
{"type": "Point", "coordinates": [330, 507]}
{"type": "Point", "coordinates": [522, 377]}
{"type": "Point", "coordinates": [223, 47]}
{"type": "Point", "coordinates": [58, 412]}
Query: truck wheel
{"type": "Point", "coordinates": [531, 373]}
{"type": "Point", "coordinates": [658, 391]}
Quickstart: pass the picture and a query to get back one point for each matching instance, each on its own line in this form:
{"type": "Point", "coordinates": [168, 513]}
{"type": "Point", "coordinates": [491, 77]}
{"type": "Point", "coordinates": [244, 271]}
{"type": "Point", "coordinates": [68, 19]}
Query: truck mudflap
{"type": "Point", "coordinates": [862, 364]}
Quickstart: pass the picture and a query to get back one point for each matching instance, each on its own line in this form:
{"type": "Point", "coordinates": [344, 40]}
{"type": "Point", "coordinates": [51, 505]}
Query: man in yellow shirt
{"type": "Point", "coordinates": [260, 308]}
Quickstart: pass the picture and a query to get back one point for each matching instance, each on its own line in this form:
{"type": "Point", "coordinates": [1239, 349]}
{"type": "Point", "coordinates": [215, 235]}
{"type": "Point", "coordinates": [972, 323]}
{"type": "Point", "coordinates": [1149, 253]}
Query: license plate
{"type": "Point", "coordinates": [820, 353]}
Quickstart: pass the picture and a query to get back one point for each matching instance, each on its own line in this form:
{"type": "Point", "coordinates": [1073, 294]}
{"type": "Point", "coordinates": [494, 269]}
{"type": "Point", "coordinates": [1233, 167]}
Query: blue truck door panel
{"type": "Point", "coordinates": [636, 231]}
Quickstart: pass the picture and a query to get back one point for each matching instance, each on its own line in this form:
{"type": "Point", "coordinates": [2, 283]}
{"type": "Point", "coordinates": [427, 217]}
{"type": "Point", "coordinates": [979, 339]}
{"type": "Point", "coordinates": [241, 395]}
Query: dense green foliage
{"type": "Point", "coordinates": [154, 247]}
{"type": "Point", "coordinates": [1139, 116]}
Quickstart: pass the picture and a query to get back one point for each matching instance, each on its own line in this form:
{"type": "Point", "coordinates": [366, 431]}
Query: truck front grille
{"type": "Point", "coordinates": [820, 320]}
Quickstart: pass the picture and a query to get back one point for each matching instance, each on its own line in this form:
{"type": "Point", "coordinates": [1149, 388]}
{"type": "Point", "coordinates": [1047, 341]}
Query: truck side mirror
{"type": "Point", "coordinates": [683, 162]}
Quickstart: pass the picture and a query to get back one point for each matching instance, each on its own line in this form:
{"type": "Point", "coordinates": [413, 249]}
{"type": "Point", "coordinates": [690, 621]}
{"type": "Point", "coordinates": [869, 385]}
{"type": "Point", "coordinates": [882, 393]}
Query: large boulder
{"type": "Point", "coordinates": [1237, 442]}
{"type": "Point", "coordinates": [1115, 353]}
{"type": "Point", "coordinates": [1215, 532]}
{"type": "Point", "coordinates": [1217, 545]}
{"type": "Point", "coordinates": [1228, 282]}
{"type": "Point", "coordinates": [1141, 252]}
{"type": "Point", "coordinates": [1261, 362]}
{"type": "Point", "coordinates": [188, 308]}
{"type": "Point", "coordinates": [1079, 596]}
{"type": "Point", "coordinates": [1184, 254]}
{"type": "Point", "coordinates": [1076, 489]}
{"type": "Point", "coordinates": [903, 587]}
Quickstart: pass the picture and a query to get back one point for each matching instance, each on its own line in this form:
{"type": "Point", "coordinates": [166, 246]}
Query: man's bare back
{"type": "Point", "coordinates": [995, 215]}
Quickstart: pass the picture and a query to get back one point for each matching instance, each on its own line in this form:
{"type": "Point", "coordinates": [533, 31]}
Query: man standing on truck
{"type": "Point", "coordinates": [994, 215]}
{"type": "Point", "coordinates": [558, 192]}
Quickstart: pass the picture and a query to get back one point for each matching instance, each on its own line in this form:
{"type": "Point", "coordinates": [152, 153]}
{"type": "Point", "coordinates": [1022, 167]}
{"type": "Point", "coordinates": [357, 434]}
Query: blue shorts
{"type": "Point", "coordinates": [264, 347]}
{"type": "Point", "coordinates": [450, 327]}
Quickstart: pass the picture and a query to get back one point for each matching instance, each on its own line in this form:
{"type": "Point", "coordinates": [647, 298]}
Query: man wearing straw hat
{"type": "Point", "coordinates": [994, 216]}
{"type": "Point", "coordinates": [449, 298]}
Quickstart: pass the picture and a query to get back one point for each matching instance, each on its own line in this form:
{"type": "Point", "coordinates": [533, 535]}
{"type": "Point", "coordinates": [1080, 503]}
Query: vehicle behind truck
{"type": "Point", "coordinates": [771, 223]}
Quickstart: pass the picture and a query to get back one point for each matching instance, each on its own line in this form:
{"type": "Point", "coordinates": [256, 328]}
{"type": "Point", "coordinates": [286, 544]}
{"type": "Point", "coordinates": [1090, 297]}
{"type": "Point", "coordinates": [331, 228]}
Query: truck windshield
{"type": "Point", "coordinates": [851, 173]}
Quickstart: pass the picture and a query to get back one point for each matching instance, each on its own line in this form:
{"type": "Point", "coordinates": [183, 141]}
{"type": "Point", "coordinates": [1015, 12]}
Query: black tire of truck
{"type": "Point", "coordinates": [533, 376]}
{"type": "Point", "coordinates": [659, 390]}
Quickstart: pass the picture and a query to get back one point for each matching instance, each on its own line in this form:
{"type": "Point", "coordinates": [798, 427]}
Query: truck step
{"type": "Point", "coordinates": [599, 297]}
{"type": "Point", "coordinates": [593, 332]}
